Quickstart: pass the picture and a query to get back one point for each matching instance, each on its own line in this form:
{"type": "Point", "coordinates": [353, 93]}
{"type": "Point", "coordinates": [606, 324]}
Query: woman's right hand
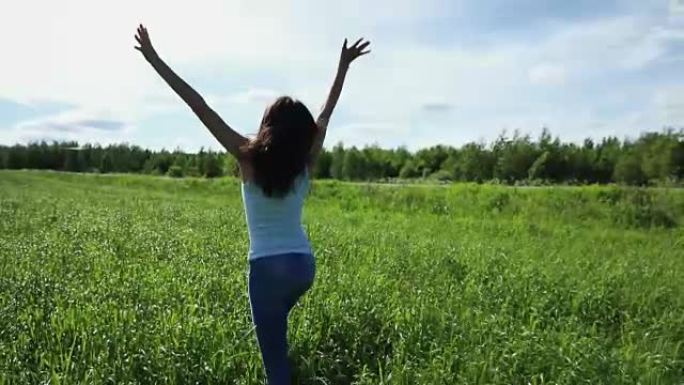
{"type": "Point", "coordinates": [348, 55]}
{"type": "Point", "coordinates": [143, 38]}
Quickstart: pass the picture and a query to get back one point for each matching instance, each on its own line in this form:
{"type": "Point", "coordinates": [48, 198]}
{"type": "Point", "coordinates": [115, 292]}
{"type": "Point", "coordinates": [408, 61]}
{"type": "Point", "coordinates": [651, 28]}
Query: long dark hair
{"type": "Point", "coordinates": [282, 147]}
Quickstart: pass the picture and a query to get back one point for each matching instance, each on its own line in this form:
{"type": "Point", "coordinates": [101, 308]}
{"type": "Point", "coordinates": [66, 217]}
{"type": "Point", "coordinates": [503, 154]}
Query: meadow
{"type": "Point", "coordinates": [129, 279]}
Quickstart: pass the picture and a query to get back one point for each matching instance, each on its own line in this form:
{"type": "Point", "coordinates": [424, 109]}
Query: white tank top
{"type": "Point", "coordinates": [275, 223]}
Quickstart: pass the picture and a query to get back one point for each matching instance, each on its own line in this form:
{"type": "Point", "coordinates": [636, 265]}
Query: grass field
{"type": "Point", "coordinates": [142, 280]}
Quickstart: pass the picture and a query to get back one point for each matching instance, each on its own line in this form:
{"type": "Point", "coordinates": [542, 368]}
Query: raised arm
{"type": "Point", "coordinates": [347, 56]}
{"type": "Point", "coordinates": [231, 140]}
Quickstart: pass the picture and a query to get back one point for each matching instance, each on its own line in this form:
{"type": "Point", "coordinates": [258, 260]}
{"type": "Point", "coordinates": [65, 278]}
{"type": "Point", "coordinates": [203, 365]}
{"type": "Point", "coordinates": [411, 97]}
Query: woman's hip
{"type": "Point", "coordinates": [287, 273]}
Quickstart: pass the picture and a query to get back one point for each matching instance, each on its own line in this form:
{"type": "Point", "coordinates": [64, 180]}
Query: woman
{"type": "Point", "coordinates": [274, 168]}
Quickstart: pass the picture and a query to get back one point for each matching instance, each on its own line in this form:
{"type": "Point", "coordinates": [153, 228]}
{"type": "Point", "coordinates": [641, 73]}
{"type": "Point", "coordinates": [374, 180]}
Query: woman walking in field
{"type": "Point", "coordinates": [274, 168]}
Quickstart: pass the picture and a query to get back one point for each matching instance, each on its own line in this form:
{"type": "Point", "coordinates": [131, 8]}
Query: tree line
{"type": "Point", "coordinates": [653, 158]}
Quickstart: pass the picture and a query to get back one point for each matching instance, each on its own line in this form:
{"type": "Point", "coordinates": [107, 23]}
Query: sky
{"type": "Point", "coordinates": [440, 71]}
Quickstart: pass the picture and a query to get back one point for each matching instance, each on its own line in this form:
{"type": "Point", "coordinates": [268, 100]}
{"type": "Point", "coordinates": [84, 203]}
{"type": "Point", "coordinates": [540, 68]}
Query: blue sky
{"type": "Point", "coordinates": [446, 72]}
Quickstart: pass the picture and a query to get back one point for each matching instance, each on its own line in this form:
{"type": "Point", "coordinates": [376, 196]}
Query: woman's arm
{"type": "Point", "coordinates": [231, 140]}
{"type": "Point", "coordinates": [347, 56]}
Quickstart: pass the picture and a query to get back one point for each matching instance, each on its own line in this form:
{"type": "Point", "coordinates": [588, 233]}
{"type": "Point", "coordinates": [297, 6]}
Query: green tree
{"type": "Point", "coordinates": [106, 164]}
{"type": "Point", "coordinates": [607, 154]}
{"type": "Point", "coordinates": [323, 164]}
{"type": "Point", "coordinates": [410, 170]}
{"type": "Point", "coordinates": [230, 166]}
{"type": "Point", "coordinates": [354, 166]}
{"type": "Point", "coordinates": [538, 170]}
{"type": "Point", "coordinates": [337, 162]}
{"type": "Point", "coordinates": [628, 170]}
{"type": "Point", "coordinates": [175, 171]}
{"type": "Point", "coordinates": [73, 161]}
{"type": "Point", "coordinates": [212, 165]}
{"type": "Point", "coordinates": [660, 155]}
{"type": "Point", "coordinates": [398, 159]}
{"type": "Point", "coordinates": [475, 163]}
{"type": "Point", "coordinates": [515, 157]}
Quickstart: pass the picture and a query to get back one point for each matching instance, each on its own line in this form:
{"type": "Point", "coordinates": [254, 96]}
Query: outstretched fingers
{"type": "Point", "coordinates": [363, 46]}
{"type": "Point", "coordinates": [359, 48]}
{"type": "Point", "coordinates": [143, 39]}
{"type": "Point", "coordinates": [142, 32]}
{"type": "Point", "coordinates": [137, 38]}
{"type": "Point", "coordinates": [356, 43]}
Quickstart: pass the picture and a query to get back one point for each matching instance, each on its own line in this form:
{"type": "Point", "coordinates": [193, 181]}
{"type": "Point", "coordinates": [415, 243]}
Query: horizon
{"type": "Point", "coordinates": [486, 144]}
{"type": "Point", "coordinates": [440, 72]}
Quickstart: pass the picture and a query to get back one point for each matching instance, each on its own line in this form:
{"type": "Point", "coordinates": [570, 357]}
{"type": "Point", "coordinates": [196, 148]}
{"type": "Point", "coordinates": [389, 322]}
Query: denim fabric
{"type": "Point", "coordinates": [275, 284]}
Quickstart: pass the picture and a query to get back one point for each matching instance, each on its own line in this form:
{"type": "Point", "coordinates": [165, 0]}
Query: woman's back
{"type": "Point", "coordinates": [274, 223]}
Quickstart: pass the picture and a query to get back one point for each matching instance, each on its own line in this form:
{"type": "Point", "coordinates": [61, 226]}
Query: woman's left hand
{"type": "Point", "coordinates": [348, 55]}
{"type": "Point", "coordinates": [143, 38]}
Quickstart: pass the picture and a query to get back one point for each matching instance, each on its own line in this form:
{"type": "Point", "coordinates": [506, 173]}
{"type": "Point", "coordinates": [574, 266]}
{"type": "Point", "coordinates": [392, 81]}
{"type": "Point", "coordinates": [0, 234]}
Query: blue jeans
{"type": "Point", "coordinates": [275, 284]}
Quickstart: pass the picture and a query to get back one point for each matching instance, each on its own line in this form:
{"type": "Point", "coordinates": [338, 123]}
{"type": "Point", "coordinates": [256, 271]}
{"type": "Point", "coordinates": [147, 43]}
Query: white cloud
{"type": "Point", "coordinates": [359, 134]}
{"type": "Point", "coordinates": [76, 124]}
{"type": "Point", "coordinates": [669, 105]}
{"type": "Point", "coordinates": [626, 42]}
{"type": "Point", "coordinates": [547, 74]}
{"type": "Point", "coordinates": [437, 107]}
{"type": "Point", "coordinates": [80, 52]}
{"type": "Point", "coordinates": [261, 96]}
{"type": "Point", "coordinates": [676, 7]}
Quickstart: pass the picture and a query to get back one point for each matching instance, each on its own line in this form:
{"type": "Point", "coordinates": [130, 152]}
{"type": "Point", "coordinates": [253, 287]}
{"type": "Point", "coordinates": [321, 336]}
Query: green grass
{"type": "Point", "coordinates": [141, 280]}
